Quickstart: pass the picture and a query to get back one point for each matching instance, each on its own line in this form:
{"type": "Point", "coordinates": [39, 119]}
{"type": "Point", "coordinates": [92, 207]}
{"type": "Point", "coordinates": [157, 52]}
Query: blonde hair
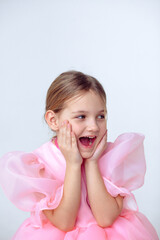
{"type": "Point", "coordinates": [68, 85]}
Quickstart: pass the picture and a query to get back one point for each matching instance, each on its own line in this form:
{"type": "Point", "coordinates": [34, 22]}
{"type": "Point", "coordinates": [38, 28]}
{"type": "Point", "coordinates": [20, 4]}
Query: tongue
{"type": "Point", "coordinates": [85, 141]}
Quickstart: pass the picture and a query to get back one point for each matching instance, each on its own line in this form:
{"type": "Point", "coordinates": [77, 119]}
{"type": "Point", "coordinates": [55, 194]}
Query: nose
{"type": "Point", "coordinates": [92, 125]}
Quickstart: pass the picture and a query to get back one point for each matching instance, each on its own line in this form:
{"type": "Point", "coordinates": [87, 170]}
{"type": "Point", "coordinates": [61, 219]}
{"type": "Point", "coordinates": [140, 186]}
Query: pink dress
{"type": "Point", "coordinates": [34, 182]}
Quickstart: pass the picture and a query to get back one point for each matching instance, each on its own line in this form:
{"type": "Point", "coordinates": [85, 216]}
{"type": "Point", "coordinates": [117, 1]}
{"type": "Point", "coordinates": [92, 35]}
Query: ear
{"type": "Point", "coordinates": [52, 120]}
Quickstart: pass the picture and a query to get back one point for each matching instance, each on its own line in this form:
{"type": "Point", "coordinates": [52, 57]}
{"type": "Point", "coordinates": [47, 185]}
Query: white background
{"type": "Point", "coordinates": [116, 41]}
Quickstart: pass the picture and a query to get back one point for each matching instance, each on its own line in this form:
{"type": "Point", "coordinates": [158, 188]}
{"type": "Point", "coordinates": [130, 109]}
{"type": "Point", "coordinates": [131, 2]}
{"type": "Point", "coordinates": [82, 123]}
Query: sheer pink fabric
{"type": "Point", "coordinates": [34, 182]}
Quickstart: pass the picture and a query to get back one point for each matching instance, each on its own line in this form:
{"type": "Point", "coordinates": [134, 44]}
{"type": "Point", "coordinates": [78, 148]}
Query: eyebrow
{"type": "Point", "coordinates": [81, 111]}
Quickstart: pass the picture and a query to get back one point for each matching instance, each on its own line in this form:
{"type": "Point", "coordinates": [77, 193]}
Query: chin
{"type": "Point", "coordinates": [86, 155]}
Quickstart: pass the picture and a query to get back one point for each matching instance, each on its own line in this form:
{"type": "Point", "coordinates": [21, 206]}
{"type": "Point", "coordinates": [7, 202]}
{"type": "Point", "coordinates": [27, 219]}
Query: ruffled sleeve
{"type": "Point", "coordinates": [123, 167]}
{"type": "Point", "coordinates": [29, 184]}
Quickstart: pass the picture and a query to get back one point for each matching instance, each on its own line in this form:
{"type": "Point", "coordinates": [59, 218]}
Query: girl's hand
{"type": "Point", "coordinates": [99, 150]}
{"type": "Point", "coordinates": [68, 144]}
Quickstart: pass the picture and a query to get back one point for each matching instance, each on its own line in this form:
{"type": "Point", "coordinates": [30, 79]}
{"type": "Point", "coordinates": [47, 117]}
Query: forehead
{"type": "Point", "coordinates": [85, 101]}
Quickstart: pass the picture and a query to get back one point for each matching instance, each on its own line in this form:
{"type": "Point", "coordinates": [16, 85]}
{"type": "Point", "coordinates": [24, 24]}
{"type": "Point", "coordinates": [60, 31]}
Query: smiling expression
{"type": "Point", "coordinates": [87, 115]}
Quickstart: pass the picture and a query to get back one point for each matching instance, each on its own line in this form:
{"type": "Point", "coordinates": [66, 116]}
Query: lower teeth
{"type": "Point", "coordinates": [90, 143]}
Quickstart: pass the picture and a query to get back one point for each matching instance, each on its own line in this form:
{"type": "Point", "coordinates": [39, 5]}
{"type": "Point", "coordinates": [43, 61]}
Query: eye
{"type": "Point", "coordinates": [81, 117]}
{"type": "Point", "coordinates": [101, 116]}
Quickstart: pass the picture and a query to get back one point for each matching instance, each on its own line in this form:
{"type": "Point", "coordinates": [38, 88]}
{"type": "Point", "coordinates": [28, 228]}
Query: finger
{"type": "Point", "coordinates": [68, 134]}
{"type": "Point", "coordinates": [73, 137]}
{"type": "Point", "coordinates": [65, 132]}
{"type": "Point", "coordinates": [102, 145]}
{"type": "Point", "coordinates": [105, 136]}
{"type": "Point", "coordinates": [61, 134]}
{"type": "Point", "coordinates": [74, 140]}
{"type": "Point", "coordinates": [103, 139]}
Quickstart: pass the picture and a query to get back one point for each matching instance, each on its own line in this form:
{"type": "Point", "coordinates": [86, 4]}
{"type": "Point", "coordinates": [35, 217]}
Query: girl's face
{"type": "Point", "coordinates": [87, 115]}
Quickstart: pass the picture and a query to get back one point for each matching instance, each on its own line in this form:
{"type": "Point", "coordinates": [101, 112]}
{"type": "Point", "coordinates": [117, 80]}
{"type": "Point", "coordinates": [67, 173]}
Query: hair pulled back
{"type": "Point", "coordinates": [70, 84]}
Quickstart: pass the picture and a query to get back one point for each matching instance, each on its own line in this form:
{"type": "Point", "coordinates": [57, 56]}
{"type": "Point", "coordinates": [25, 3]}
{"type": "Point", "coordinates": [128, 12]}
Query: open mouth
{"type": "Point", "coordinates": [87, 141]}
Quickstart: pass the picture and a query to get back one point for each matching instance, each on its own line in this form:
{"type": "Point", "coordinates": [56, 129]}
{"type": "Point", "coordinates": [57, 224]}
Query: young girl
{"type": "Point", "coordinates": [78, 186]}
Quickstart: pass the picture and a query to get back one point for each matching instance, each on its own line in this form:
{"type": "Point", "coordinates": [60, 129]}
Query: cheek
{"type": "Point", "coordinates": [75, 128]}
{"type": "Point", "coordinates": [103, 127]}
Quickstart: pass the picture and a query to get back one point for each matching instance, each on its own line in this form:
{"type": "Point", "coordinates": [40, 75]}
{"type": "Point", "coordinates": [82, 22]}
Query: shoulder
{"type": "Point", "coordinates": [48, 153]}
{"type": "Point", "coordinates": [125, 141]}
{"type": "Point", "coordinates": [124, 157]}
{"type": "Point", "coordinates": [15, 159]}
{"type": "Point", "coordinates": [123, 166]}
{"type": "Point", "coordinates": [131, 137]}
